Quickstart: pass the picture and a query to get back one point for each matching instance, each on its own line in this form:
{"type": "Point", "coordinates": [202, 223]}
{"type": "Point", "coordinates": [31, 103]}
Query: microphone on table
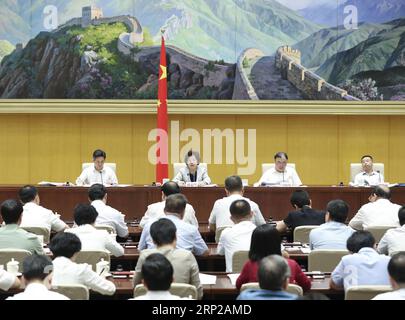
{"type": "Point", "coordinates": [379, 176]}
{"type": "Point", "coordinates": [101, 174]}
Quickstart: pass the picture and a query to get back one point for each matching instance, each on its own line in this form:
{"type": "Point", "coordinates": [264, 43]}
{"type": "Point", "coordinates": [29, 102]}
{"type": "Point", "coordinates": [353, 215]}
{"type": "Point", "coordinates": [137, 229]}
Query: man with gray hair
{"type": "Point", "coordinates": [273, 275]}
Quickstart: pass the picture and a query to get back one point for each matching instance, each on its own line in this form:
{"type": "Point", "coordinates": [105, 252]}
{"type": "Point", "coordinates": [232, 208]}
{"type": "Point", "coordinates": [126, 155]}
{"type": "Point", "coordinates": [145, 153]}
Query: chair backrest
{"type": "Point", "coordinates": [178, 165]}
{"type": "Point", "coordinates": [378, 231]}
{"type": "Point", "coordinates": [239, 258]}
{"type": "Point", "coordinates": [218, 232]}
{"type": "Point", "coordinates": [292, 288]}
{"type": "Point", "coordinates": [17, 254]}
{"type": "Point", "coordinates": [92, 257]}
{"type": "Point", "coordinates": [40, 231]}
{"type": "Point", "coordinates": [325, 260]}
{"type": "Point", "coordinates": [183, 290]}
{"type": "Point", "coordinates": [105, 227]}
{"type": "Point", "coordinates": [267, 166]}
{"type": "Point", "coordinates": [301, 233]}
{"type": "Point", "coordinates": [355, 168]}
{"type": "Point", "coordinates": [111, 165]}
{"type": "Point", "coordinates": [73, 291]}
{"type": "Point", "coordinates": [365, 292]}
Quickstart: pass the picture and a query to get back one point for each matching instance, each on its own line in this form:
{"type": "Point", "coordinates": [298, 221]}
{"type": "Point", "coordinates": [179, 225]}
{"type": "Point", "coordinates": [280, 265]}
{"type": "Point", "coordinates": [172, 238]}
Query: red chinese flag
{"type": "Point", "coordinates": [162, 151]}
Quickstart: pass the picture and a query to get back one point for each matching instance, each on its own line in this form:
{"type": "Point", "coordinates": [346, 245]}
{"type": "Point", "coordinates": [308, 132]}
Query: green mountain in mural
{"type": "Point", "coordinates": [5, 48]}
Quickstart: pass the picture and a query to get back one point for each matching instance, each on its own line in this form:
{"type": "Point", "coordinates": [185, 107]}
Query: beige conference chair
{"type": "Point", "coordinates": [73, 291]}
{"type": "Point", "coordinates": [40, 231]}
{"type": "Point", "coordinates": [292, 288]}
{"type": "Point", "coordinates": [218, 232]}
{"type": "Point", "coordinates": [378, 231]}
{"type": "Point", "coordinates": [92, 257]}
{"type": "Point", "coordinates": [356, 168]}
{"type": "Point", "coordinates": [183, 290]}
{"type": "Point", "coordinates": [325, 260]}
{"type": "Point", "coordinates": [365, 292]}
{"type": "Point", "coordinates": [111, 165]}
{"type": "Point", "coordinates": [19, 255]}
{"type": "Point", "coordinates": [105, 227]}
{"type": "Point", "coordinates": [301, 233]}
{"type": "Point", "coordinates": [239, 259]}
{"type": "Point", "coordinates": [178, 165]}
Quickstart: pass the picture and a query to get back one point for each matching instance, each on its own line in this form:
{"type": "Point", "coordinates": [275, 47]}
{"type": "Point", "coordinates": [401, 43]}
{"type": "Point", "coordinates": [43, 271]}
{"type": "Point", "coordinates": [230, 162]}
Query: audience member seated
{"type": "Point", "coordinates": [65, 247]}
{"type": "Point", "coordinates": [8, 280]}
{"type": "Point", "coordinates": [396, 271]}
{"type": "Point", "coordinates": [273, 277]}
{"type": "Point", "coordinates": [333, 234]}
{"type": "Point", "coordinates": [92, 239]}
{"type": "Point", "coordinates": [380, 211]}
{"type": "Point", "coordinates": [193, 172]}
{"type": "Point", "coordinates": [266, 241]}
{"type": "Point", "coordinates": [163, 233]}
{"type": "Point", "coordinates": [188, 236]}
{"type": "Point", "coordinates": [107, 215]}
{"type": "Point", "coordinates": [11, 235]}
{"type": "Point", "coordinates": [35, 215]}
{"type": "Point", "coordinates": [220, 216]}
{"type": "Point", "coordinates": [37, 275]}
{"type": "Point", "coordinates": [237, 237]}
{"type": "Point", "coordinates": [394, 239]}
{"type": "Point", "coordinates": [363, 267]}
{"type": "Point", "coordinates": [156, 210]}
{"type": "Point", "coordinates": [157, 277]}
{"type": "Point", "coordinates": [304, 214]}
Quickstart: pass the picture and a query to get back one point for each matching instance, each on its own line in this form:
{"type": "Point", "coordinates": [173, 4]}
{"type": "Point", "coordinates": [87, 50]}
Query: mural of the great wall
{"type": "Point", "coordinates": [227, 49]}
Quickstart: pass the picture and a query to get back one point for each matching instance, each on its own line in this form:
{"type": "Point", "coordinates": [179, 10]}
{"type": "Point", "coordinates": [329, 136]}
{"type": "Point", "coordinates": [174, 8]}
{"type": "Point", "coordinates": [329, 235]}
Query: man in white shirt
{"type": "Point", "coordinates": [92, 239]}
{"type": "Point", "coordinates": [8, 280]}
{"type": "Point", "coordinates": [106, 214]}
{"type": "Point", "coordinates": [237, 237]}
{"type": "Point", "coordinates": [97, 173]}
{"type": "Point", "coordinates": [280, 174]}
{"type": "Point", "coordinates": [37, 275]}
{"type": "Point", "coordinates": [156, 210]}
{"type": "Point", "coordinates": [380, 211]}
{"type": "Point", "coordinates": [35, 215]}
{"type": "Point", "coordinates": [157, 277]}
{"type": "Point", "coordinates": [396, 271]}
{"type": "Point", "coordinates": [368, 177]}
{"type": "Point", "coordinates": [220, 215]}
{"type": "Point", "coordinates": [65, 247]}
{"type": "Point", "coordinates": [394, 239]}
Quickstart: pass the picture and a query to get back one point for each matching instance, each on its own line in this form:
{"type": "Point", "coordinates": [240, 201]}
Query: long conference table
{"type": "Point", "coordinates": [274, 202]}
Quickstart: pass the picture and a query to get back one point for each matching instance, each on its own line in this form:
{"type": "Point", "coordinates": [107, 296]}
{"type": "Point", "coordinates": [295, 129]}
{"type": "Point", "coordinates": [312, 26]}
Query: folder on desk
{"type": "Point", "coordinates": [207, 279]}
{"type": "Point", "coordinates": [233, 277]}
{"type": "Point", "coordinates": [51, 184]}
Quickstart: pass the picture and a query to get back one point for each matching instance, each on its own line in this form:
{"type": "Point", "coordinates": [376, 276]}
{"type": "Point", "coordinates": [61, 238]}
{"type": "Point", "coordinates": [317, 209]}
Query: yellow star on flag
{"type": "Point", "coordinates": [164, 72]}
{"type": "Point", "coordinates": [159, 103]}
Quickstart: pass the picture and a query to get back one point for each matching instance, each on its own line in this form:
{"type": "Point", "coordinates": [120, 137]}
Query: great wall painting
{"type": "Point", "coordinates": [228, 49]}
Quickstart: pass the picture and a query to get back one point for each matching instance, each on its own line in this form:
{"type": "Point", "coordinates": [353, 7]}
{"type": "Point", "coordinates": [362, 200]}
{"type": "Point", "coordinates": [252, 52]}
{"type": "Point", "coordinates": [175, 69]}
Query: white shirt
{"type": "Point", "coordinates": [364, 179]}
{"type": "Point", "coordinates": [156, 211]}
{"type": "Point", "coordinates": [109, 216]}
{"type": "Point", "coordinates": [221, 217]}
{"type": "Point", "coordinates": [234, 239]}
{"type": "Point", "coordinates": [381, 212]}
{"type": "Point", "coordinates": [6, 280]}
{"type": "Point", "coordinates": [393, 241]}
{"type": "Point", "coordinates": [97, 240]}
{"type": "Point", "coordinates": [65, 271]}
{"type": "Point", "coordinates": [158, 295]}
{"type": "Point", "coordinates": [37, 216]}
{"type": "Point", "coordinates": [272, 176]}
{"type": "Point", "coordinates": [393, 295]}
{"type": "Point", "coordinates": [91, 176]}
{"type": "Point", "coordinates": [38, 291]}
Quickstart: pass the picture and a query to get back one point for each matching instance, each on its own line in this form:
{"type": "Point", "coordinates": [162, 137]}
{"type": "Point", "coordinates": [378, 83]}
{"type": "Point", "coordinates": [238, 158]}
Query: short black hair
{"type": "Point", "coordinates": [300, 198]}
{"type": "Point", "coordinates": [157, 272]}
{"type": "Point", "coordinates": [401, 216]}
{"type": "Point", "coordinates": [191, 153]}
{"type": "Point", "coordinates": [11, 211]}
{"type": "Point", "coordinates": [382, 192]}
{"type": "Point", "coordinates": [366, 156]}
{"type": "Point", "coordinates": [85, 214]}
{"type": "Point", "coordinates": [359, 240]}
{"type": "Point", "coordinates": [266, 240]}
{"type": "Point", "coordinates": [396, 267]}
{"type": "Point", "coordinates": [281, 155]}
{"type": "Point", "coordinates": [240, 208]}
{"type": "Point", "coordinates": [169, 188]}
{"type": "Point", "coordinates": [37, 267]}
{"type": "Point", "coordinates": [27, 193]}
{"type": "Point", "coordinates": [176, 203]}
{"type": "Point", "coordinates": [233, 183]}
{"type": "Point", "coordinates": [65, 244]}
{"type": "Point", "coordinates": [97, 192]}
{"type": "Point", "coordinates": [163, 231]}
{"type": "Point", "coordinates": [99, 153]}
{"type": "Point", "coordinates": [338, 210]}
{"type": "Point", "coordinates": [273, 272]}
